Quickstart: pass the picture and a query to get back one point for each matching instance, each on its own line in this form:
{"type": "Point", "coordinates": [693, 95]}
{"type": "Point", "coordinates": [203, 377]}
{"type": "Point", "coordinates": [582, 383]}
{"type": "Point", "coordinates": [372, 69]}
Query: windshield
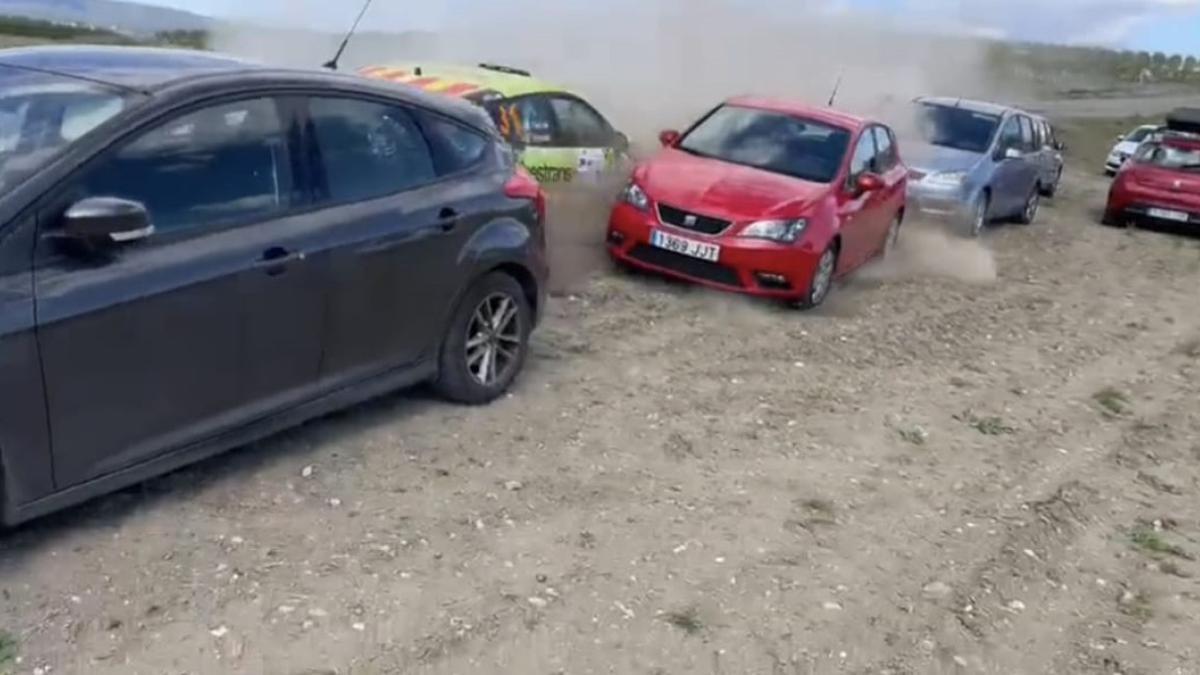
{"type": "Point", "coordinates": [770, 141]}
{"type": "Point", "coordinates": [956, 128]}
{"type": "Point", "coordinates": [1140, 134]}
{"type": "Point", "coordinates": [1184, 158]}
{"type": "Point", "coordinates": [41, 114]}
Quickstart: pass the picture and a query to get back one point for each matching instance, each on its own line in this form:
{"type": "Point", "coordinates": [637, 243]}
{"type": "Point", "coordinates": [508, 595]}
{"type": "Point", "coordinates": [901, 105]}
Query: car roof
{"type": "Point", "coordinates": [984, 107]}
{"type": "Point", "coordinates": [800, 109]}
{"type": "Point", "coordinates": [141, 68]}
{"type": "Point", "coordinates": [151, 70]}
{"type": "Point", "coordinates": [458, 80]}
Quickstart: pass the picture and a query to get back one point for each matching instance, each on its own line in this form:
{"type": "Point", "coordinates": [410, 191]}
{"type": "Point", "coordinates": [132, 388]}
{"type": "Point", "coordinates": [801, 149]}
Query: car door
{"type": "Point", "coordinates": [584, 135]}
{"type": "Point", "coordinates": [1008, 178]}
{"type": "Point", "coordinates": [891, 199]}
{"type": "Point", "coordinates": [528, 123]}
{"type": "Point", "coordinates": [858, 210]}
{"type": "Point", "coordinates": [150, 345]}
{"type": "Point", "coordinates": [399, 225]}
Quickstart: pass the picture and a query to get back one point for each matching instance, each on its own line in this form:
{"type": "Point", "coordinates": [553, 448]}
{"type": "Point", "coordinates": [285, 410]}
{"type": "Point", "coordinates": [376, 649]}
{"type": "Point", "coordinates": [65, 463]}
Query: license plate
{"type": "Point", "coordinates": [1168, 214]}
{"type": "Point", "coordinates": [685, 246]}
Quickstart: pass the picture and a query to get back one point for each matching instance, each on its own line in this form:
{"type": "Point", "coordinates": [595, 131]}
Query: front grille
{"type": "Point", "coordinates": [692, 267]}
{"type": "Point", "coordinates": [702, 224]}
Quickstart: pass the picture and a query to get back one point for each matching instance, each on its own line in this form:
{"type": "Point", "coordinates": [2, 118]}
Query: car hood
{"type": "Point", "coordinates": [1126, 147]}
{"type": "Point", "coordinates": [928, 158]}
{"type": "Point", "coordinates": [725, 190]}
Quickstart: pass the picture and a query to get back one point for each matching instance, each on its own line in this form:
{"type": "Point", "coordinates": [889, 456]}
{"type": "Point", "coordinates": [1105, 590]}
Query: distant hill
{"type": "Point", "coordinates": [116, 15]}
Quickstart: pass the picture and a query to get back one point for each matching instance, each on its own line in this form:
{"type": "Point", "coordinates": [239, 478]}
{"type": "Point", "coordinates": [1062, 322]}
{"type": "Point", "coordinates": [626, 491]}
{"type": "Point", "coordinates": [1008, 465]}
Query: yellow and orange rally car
{"type": "Point", "coordinates": [559, 136]}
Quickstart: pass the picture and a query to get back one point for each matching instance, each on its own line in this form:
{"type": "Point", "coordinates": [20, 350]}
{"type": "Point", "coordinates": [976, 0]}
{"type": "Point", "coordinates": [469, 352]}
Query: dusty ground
{"type": "Point", "coordinates": [982, 458]}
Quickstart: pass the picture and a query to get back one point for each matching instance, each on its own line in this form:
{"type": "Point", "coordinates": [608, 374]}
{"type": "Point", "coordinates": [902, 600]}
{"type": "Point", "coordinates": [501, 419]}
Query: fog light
{"type": "Point", "coordinates": [615, 237]}
{"type": "Point", "coordinates": [772, 280]}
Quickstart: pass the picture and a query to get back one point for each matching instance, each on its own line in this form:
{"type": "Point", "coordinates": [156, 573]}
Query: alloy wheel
{"type": "Point", "coordinates": [823, 277]}
{"type": "Point", "coordinates": [493, 339]}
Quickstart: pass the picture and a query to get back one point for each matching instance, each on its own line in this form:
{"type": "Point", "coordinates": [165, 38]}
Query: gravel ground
{"type": "Point", "coordinates": [981, 457]}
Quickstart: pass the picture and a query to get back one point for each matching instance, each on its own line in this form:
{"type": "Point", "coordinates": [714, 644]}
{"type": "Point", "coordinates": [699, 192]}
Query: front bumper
{"type": "Point", "coordinates": [750, 266]}
{"type": "Point", "coordinates": [944, 202]}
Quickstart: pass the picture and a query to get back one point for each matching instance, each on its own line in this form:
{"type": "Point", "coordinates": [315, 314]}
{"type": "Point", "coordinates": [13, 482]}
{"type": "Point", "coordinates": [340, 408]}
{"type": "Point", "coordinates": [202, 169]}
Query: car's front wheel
{"type": "Point", "coordinates": [822, 279]}
{"type": "Point", "coordinates": [487, 342]}
{"type": "Point", "coordinates": [980, 215]}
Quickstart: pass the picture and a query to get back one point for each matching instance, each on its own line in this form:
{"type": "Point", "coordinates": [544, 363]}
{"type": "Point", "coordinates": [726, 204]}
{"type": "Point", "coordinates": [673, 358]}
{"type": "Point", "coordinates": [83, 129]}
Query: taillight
{"type": "Point", "coordinates": [523, 185]}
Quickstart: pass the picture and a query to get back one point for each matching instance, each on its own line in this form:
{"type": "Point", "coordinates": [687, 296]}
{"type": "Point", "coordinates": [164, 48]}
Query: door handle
{"type": "Point", "coordinates": [447, 219]}
{"type": "Point", "coordinates": [276, 259]}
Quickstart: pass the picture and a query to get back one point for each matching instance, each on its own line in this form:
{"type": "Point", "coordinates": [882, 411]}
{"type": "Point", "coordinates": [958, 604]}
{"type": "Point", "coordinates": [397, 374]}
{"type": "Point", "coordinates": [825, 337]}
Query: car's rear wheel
{"type": "Point", "coordinates": [822, 279]}
{"type": "Point", "coordinates": [487, 342]}
{"type": "Point", "coordinates": [1032, 204]}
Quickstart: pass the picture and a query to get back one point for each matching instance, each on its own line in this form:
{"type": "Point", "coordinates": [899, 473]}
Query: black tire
{"type": "Point", "coordinates": [892, 237]}
{"type": "Point", "coordinates": [1112, 219]}
{"type": "Point", "coordinates": [980, 217]}
{"type": "Point", "coordinates": [1051, 190]}
{"type": "Point", "coordinates": [1029, 212]}
{"type": "Point", "coordinates": [818, 290]}
{"type": "Point", "coordinates": [457, 381]}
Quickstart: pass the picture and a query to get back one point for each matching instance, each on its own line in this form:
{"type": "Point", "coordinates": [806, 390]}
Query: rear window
{"type": "Point", "coordinates": [455, 147]}
{"type": "Point", "coordinates": [1170, 156]}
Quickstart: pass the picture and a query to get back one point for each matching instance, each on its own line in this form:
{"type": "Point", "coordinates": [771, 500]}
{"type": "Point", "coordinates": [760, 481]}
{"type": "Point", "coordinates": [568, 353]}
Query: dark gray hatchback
{"type": "Point", "coordinates": [196, 252]}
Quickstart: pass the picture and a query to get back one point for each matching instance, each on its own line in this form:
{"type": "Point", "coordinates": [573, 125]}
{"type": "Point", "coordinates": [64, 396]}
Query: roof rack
{"type": "Point", "coordinates": [505, 69]}
{"type": "Point", "coordinates": [1183, 120]}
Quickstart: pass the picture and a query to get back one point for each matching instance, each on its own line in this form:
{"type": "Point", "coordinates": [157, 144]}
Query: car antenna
{"type": "Point", "coordinates": [836, 85]}
{"type": "Point", "coordinates": [332, 64]}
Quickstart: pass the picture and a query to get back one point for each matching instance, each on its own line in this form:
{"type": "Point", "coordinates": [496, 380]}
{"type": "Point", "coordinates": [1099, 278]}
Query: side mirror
{"type": "Point", "coordinates": [868, 182]}
{"type": "Point", "coordinates": [118, 220]}
{"type": "Point", "coordinates": [1120, 137]}
{"type": "Point", "coordinates": [1060, 146]}
{"type": "Point", "coordinates": [620, 142]}
{"type": "Point", "coordinates": [668, 138]}
{"type": "Point", "coordinates": [1012, 153]}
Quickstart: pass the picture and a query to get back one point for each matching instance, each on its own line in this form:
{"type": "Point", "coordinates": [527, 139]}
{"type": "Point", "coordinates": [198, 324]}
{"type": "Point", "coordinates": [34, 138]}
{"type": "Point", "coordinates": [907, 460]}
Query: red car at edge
{"type": "Point", "coordinates": [1160, 183]}
{"type": "Point", "coordinates": [767, 197]}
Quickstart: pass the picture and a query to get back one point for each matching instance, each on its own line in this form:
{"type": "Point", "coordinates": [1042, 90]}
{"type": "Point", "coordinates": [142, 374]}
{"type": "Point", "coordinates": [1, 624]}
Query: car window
{"type": "Point", "coordinates": [885, 157]}
{"type": "Point", "coordinates": [227, 162]}
{"type": "Point", "coordinates": [1185, 157]}
{"type": "Point", "coordinates": [455, 147]}
{"type": "Point", "coordinates": [41, 114]}
{"type": "Point", "coordinates": [578, 125]}
{"type": "Point", "coordinates": [528, 120]}
{"type": "Point", "coordinates": [1010, 133]}
{"type": "Point", "coordinates": [864, 155]}
{"type": "Point", "coordinates": [1027, 140]}
{"type": "Point", "coordinates": [771, 141]}
{"type": "Point", "coordinates": [957, 128]}
{"type": "Point", "coordinates": [1140, 134]}
{"type": "Point", "coordinates": [368, 149]}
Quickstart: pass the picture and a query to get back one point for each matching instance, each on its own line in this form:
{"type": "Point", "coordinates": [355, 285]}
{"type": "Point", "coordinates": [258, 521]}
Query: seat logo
{"type": "Point", "coordinates": [689, 220]}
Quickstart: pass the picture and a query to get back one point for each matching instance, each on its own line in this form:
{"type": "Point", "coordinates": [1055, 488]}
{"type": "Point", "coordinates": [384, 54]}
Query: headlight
{"type": "Point", "coordinates": [947, 178]}
{"type": "Point", "coordinates": [635, 197]}
{"type": "Point", "coordinates": [784, 231]}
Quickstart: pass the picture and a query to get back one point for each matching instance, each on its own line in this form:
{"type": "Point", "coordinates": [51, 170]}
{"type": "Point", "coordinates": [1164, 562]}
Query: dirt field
{"type": "Point", "coordinates": [982, 457]}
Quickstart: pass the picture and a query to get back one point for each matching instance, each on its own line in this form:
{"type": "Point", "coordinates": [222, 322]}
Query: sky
{"type": "Point", "coordinates": [1171, 26]}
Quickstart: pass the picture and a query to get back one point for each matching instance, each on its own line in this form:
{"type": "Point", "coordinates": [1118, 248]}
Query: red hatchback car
{"type": "Point", "coordinates": [1160, 183]}
{"type": "Point", "coordinates": [765, 197]}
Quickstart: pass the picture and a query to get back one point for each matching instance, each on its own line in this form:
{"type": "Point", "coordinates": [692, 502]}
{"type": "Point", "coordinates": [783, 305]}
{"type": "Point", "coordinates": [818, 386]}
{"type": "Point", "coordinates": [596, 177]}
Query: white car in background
{"type": "Point", "coordinates": [1125, 147]}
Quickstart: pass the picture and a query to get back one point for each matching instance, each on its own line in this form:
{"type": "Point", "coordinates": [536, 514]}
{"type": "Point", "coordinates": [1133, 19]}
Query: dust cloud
{"type": "Point", "coordinates": [659, 64]}
{"type": "Point", "coordinates": [931, 250]}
